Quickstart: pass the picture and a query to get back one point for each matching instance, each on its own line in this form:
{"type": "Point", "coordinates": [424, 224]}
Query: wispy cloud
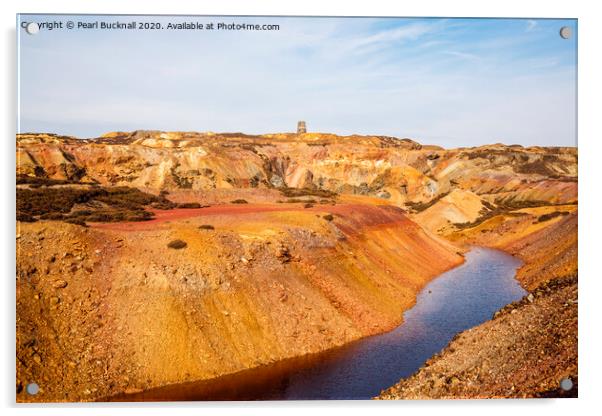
{"type": "Point", "coordinates": [451, 82]}
{"type": "Point", "coordinates": [400, 34]}
{"type": "Point", "coordinates": [463, 55]}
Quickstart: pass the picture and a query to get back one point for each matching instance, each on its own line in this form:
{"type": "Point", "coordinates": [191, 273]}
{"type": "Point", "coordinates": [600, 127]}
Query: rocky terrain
{"type": "Point", "coordinates": [523, 352]}
{"type": "Point", "coordinates": [102, 309]}
{"type": "Point", "coordinates": [400, 171]}
{"type": "Point", "coordinates": [217, 253]}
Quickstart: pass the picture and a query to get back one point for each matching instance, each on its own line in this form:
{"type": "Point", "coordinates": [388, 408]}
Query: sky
{"type": "Point", "coordinates": [450, 82]}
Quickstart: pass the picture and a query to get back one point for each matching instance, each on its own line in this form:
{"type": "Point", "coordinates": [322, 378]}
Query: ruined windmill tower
{"type": "Point", "coordinates": [301, 127]}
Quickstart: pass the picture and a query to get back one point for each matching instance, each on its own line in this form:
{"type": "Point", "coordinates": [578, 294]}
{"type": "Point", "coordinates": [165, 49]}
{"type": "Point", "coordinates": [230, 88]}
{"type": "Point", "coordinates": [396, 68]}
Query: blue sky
{"type": "Point", "coordinates": [452, 82]}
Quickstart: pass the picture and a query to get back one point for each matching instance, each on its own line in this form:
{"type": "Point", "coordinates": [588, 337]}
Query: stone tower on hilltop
{"type": "Point", "coordinates": [301, 127]}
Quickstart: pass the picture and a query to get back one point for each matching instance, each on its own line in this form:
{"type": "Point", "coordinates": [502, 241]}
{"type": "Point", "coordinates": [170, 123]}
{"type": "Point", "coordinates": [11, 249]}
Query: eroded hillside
{"type": "Point", "coordinates": [112, 309]}
{"type": "Point", "coordinates": [400, 171]}
{"type": "Point", "coordinates": [217, 253]}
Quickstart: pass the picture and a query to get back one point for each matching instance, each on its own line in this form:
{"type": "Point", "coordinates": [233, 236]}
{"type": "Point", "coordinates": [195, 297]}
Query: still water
{"type": "Point", "coordinates": [457, 300]}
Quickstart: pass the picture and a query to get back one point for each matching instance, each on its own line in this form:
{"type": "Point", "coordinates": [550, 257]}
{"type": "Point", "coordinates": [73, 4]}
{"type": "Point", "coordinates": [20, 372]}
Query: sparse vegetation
{"type": "Point", "coordinates": [513, 204]}
{"type": "Point", "coordinates": [239, 201]}
{"type": "Point", "coordinates": [181, 182]}
{"type": "Point", "coordinates": [76, 221]}
{"type": "Point", "coordinates": [24, 217]}
{"type": "Point", "coordinates": [36, 182]}
{"type": "Point", "coordinates": [300, 201]}
{"type": "Point", "coordinates": [299, 192]}
{"type": "Point", "coordinates": [551, 215]}
{"type": "Point", "coordinates": [105, 204]}
{"type": "Point", "coordinates": [328, 217]}
{"type": "Point", "coordinates": [189, 205]}
{"type": "Point", "coordinates": [164, 204]}
{"type": "Point", "coordinates": [538, 167]}
{"type": "Point", "coordinates": [421, 206]}
{"type": "Point", "coordinates": [487, 214]}
{"type": "Point", "coordinates": [56, 216]}
{"type": "Point", "coordinates": [177, 244]}
{"type": "Point", "coordinates": [308, 205]}
{"type": "Point", "coordinates": [206, 227]}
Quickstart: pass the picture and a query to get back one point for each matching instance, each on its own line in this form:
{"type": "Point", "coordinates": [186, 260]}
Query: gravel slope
{"type": "Point", "coordinates": [524, 351]}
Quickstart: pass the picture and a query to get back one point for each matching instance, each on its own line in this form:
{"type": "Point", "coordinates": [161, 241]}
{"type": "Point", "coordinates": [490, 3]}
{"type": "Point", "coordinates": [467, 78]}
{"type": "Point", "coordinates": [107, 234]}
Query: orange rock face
{"type": "Point", "coordinates": [265, 284]}
{"type": "Point", "coordinates": [399, 171]}
{"type": "Point", "coordinates": [262, 274]}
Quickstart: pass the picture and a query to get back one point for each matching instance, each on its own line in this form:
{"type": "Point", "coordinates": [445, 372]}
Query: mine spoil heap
{"type": "Point", "coordinates": [151, 258]}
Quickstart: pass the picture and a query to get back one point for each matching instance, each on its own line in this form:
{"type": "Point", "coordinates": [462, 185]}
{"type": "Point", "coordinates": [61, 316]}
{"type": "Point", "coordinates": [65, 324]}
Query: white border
{"type": "Point", "coordinates": [590, 152]}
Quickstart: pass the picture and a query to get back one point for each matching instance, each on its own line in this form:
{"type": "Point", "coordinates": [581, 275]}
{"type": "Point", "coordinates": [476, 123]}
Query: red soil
{"type": "Point", "coordinates": [362, 214]}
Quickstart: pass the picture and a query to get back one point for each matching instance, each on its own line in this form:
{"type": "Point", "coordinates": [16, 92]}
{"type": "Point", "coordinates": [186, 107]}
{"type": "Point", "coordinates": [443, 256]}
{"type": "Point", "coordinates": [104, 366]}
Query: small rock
{"type": "Point", "coordinates": [530, 298]}
{"type": "Point", "coordinates": [37, 359]}
{"type": "Point", "coordinates": [438, 383]}
{"type": "Point", "coordinates": [454, 381]}
{"type": "Point", "coordinates": [243, 260]}
{"type": "Point", "coordinates": [59, 284]}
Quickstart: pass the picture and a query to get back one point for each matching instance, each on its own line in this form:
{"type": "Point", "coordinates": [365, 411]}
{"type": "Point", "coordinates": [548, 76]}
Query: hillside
{"type": "Point", "coordinates": [400, 171]}
{"type": "Point", "coordinates": [219, 252]}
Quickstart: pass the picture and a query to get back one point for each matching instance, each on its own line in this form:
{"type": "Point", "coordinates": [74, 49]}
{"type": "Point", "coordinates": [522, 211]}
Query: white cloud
{"type": "Point", "coordinates": [463, 55]}
{"type": "Point", "coordinates": [413, 78]}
